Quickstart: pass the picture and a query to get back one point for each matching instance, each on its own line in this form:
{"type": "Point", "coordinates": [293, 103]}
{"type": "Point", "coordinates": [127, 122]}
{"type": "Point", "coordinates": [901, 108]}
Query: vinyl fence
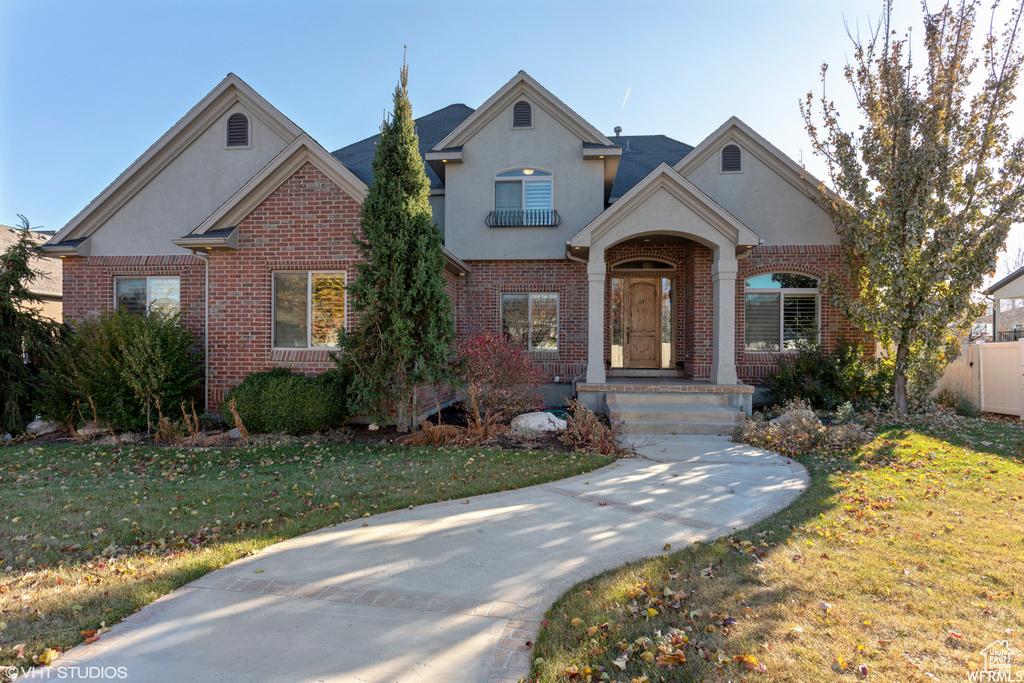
{"type": "Point", "coordinates": [1002, 377]}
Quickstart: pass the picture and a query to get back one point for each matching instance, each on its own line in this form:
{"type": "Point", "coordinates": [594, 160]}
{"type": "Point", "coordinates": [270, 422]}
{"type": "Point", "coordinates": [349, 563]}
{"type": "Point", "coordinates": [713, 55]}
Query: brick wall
{"type": "Point", "coordinates": [306, 224]}
{"type": "Point", "coordinates": [479, 306]}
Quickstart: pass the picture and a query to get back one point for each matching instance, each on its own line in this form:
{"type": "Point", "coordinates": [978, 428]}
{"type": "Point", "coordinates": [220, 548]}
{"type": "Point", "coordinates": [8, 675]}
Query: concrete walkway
{"type": "Point", "coordinates": [449, 592]}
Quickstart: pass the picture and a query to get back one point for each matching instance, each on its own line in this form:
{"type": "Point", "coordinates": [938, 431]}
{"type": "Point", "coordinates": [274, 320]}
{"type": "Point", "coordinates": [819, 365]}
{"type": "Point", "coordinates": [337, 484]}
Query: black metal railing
{"type": "Point", "coordinates": [1009, 335]}
{"type": "Point", "coordinates": [519, 218]}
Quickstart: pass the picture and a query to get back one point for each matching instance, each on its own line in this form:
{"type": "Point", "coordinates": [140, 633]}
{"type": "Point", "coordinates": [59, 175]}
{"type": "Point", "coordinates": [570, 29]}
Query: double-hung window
{"type": "Point", "coordinates": [780, 312]}
{"type": "Point", "coordinates": [309, 309]}
{"type": "Point", "coordinates": [531, 319]}
{"type": "Point", "coordinates": [142, 295]}
{"type": "Point", "coordinates": [523, 197]}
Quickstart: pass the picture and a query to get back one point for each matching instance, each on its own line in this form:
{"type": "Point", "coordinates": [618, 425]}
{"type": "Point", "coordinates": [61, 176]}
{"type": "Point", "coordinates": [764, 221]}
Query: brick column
{"type": "Point", "coordinates": [723, 277]}
{"type": "Point", "coordinates": [596, 272]}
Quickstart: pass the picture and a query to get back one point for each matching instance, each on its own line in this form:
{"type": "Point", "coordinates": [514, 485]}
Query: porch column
{"type": "Point", "coordinates": [723, 358]}
{"type": "Point", "coordinates": [596, 271]}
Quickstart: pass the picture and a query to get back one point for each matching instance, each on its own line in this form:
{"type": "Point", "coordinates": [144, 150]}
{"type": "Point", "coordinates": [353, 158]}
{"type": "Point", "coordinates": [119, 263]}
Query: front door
{"type": "Point", "coordinates": [643, 323]}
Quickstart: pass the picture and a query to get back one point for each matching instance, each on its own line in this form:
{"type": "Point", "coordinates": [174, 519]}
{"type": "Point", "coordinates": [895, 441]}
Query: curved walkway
{"type": "Point", "coordinates": [448, 592]}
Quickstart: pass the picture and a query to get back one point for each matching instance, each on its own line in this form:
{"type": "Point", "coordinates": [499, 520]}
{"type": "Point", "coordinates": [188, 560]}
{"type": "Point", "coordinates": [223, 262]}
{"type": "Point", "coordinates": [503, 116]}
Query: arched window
{"type": "Point", "coordinates": [238, 131]}
{"type": "Point", "coordinates": [780, 312]}
{"type": "Point", "coordinates": [731, 159]}
{"type": "Point", "coordinates": [522, 115]}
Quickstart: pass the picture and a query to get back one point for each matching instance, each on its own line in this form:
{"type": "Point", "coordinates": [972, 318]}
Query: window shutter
{"type": "Point", "coordinates": [522, 115]}
{"type": "Point", "coordinates": [731, 158]}
{"type": "Point", "coordinates": [238, 131]}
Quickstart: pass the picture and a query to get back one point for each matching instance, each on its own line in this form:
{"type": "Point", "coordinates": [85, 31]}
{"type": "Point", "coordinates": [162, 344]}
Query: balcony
{"type": "Point", "coordinates": [519, 218]}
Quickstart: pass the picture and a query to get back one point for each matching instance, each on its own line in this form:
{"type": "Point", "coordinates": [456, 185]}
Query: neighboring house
{"type": "Point", "coordinates": [610, 257]}
{"type": "Point", "coordinates": [1007, 319]}
{"type": "Point", "coordinates": [47, 285]}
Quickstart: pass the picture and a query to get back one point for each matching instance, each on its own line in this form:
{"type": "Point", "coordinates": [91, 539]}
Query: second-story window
{"type": "Point", "coordinates": [523, 198]}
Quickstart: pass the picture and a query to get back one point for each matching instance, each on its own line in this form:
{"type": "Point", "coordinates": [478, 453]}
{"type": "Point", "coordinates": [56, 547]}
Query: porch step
{"type": "Point", "coordinates": [675, 417]}
{"type": "Point", "coordinates": [669, 399]}
{"type": "Point", "coordinates": [634, 373]}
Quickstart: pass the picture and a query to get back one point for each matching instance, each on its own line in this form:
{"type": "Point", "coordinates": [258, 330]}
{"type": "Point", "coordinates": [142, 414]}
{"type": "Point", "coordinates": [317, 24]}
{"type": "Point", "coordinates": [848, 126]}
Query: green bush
{"type": "Point", "coordinates": [827, 381]}
{"type": "Point", "coordinates": [279, 401]}
{"type": "Point", "coordinates": [127, 366]}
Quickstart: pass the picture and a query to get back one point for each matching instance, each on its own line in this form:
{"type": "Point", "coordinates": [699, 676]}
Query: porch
{"type": "Point", "coordinates": [668, 405]}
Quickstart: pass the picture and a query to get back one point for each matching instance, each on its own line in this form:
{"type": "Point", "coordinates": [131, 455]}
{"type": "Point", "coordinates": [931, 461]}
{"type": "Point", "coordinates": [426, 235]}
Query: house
{"type": "Point", "coordinates": [627, 264]}
{"type": "Point", "coordinates": [48, 284]}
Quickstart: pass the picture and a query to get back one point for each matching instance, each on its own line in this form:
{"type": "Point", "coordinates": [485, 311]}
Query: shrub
{"type": "Point", "coordinates": [499, 381]}
{"type": "Point", "coordinates": [826, 381]}
{"type": "Point", "coordinates": [798, 430]}
{"type": "Point", "coordinates": [123, 366]}
{"type": "Point", "coordinates": [587, 433]}
{"type": "Point", "coordinates": [957, 401]}
{"type": "Point", "coordinates": [279, 401]}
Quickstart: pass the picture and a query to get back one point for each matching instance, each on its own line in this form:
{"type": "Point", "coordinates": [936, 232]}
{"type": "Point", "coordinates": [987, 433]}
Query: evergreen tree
{"type": "Point", "coordinates": [928, 186]}
{"type": "Point", "coordinates": [404, 330]}
{"type": "Point", "coordinates": [23, 332]}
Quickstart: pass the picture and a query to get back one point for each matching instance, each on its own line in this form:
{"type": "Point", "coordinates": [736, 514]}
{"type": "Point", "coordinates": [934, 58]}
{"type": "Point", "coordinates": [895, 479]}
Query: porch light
{"type": "Point", "coordinates": [527, 171]}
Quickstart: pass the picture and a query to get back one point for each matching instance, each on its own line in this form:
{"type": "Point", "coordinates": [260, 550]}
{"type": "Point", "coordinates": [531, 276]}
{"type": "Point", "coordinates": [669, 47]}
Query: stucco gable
{"type": "Point", "coordinates": [666, 193]}
{"type": "Point", "coordinates": [521, 86]}
{"type": "Point", "coordinates": [231, 94]}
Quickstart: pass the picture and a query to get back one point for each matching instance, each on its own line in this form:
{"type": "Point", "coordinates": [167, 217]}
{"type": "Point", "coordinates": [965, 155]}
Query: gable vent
{"type": "Point", "coordinates": [522, 115]}
{"type": "Point", "coordinates": [238, 131]}
{"type": "Point", "coordinates": [731, 158]}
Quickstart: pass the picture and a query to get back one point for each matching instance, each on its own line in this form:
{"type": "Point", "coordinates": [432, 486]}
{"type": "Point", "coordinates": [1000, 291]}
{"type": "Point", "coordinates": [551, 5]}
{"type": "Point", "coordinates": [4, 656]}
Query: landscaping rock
{"type": "Point", "coordinates": [41, 426]}
{"type": "Point", "coordinates": [234, 433]}
{"type": "Point", "coordinates": [93, 427]}
{"type": "Point", "coordinates": [532, 424]}
{"type": "Point", "coordinates": [108, 440]}
{"type": "Point", "coordinates": [6, 437]}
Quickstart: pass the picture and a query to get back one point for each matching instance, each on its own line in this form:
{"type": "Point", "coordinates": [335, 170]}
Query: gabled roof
{"type": "Point", "coordinates": [993, 289]}
{"type": "Point", "coordinates": [752, 142]}
{"type": "Point", "coordinates": [227, 93]}
{"type": "Point", "coordinates": [302, 150]}
{"type": "Point", "coordinates": [641, 154]}
{"type": "Point", "coordinates": [522, 84]}
{"type": "Point", "coordinates": [358, 157]}
{"type": "Point", "coordinates": [727, 228]}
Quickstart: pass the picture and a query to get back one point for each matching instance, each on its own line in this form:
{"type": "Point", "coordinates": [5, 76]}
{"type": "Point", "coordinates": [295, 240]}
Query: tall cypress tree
{"type": "Point", "coordinates": [404, 332]}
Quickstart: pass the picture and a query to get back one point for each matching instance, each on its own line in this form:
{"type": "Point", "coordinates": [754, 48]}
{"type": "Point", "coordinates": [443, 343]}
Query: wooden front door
{"type": "Point", "coordinates": [643, 323]}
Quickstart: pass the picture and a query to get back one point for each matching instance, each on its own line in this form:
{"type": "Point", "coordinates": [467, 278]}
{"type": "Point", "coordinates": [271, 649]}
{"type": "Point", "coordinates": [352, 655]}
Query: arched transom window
{"type": "Point", "coordinates": [781, 312]}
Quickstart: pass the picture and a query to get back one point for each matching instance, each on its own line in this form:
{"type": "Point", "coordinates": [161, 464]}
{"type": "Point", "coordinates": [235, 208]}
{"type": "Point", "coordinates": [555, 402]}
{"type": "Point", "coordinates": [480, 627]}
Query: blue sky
{"type": "Point", "coordinates": [87, 87]}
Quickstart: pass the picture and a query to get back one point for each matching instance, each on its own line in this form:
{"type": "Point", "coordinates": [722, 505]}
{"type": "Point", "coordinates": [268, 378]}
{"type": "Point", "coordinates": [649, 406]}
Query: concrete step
{"type": "Point", "coordinates": [707, 428]}
{"type": "Point", "coordinates": [669, 398]}
{"type": "Point", "coordinates": [674, 413]}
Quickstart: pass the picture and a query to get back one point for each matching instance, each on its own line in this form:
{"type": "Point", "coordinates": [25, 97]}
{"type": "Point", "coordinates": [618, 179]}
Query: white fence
{"type": "Point", "coordinates": [1001, 377]}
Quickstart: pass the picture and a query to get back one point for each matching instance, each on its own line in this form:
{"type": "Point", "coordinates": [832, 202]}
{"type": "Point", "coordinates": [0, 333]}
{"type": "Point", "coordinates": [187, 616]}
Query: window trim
{"type": "Point", "coordinates": [529, 318]}
{"type": "Point", "coordinates": [248, 131]}
{"type": "Point", "coordinates": [721, 159]}
{"type": "Point", "coordinates": [782, 292]}
{"type": "Point", "coordinates": [309, 309]}
{"type": "Point", "coordinates": [549, 178]}
{"type": "Point", "coordinates": [147, 278]}
{"type": "Point", "coordinates": [513, 113]}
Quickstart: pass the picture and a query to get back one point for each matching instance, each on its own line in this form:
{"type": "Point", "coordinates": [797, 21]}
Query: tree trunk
{"type": "Point", "coordinates": [900, 376]}
{"type": "Point", "coordinates": [402, 416]}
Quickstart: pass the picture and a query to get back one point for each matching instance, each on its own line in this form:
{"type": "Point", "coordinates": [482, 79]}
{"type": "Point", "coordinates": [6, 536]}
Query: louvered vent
{"type": "Point", "coordinates": [238, 131]}
{"type": "Point", "coordinates": [731, 158]}
{"type": "Point", "coordinates": [522, 115]}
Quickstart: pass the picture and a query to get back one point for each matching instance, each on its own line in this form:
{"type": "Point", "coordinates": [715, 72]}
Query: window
{"type": "Point", "coordinates": [532, 319]}
{"type": "Point", "coordinates": [142, 295]}
{"type": "Point", "coordinates": [238, 131]}
{"type": "Point", "coordinates": [781, 312]}
{"type": "Point", "coordinates": [522, 115]}
{"type": "Point", "coordinates": [522, 198]}
{"type": "Point", "coordinates": [731, 160]}
{"type": "Point", "coordinates": [309, 308]}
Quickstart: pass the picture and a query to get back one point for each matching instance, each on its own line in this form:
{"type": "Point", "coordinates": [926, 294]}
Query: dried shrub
{"type": "Point", "coordinates": [434, 435]}
{"type": "Point", "coordinates": [499, 382]}
{"type": "Point", "coordinates": [239, 425]}
{"type": "Point", "coordinates": [798, 430]}
{"type": "Point", "coordinates": [587, 433]}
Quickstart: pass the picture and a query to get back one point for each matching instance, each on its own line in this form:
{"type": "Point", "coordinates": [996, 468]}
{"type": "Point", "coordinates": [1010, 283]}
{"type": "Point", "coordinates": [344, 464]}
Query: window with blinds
{"type": "Point", "coordinates": [524, 197]}
{"type": "Point", "coordinates": [780, 312]}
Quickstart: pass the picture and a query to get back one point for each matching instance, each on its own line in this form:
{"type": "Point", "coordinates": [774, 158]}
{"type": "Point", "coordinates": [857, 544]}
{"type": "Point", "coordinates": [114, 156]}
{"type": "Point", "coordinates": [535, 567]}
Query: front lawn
{"type": "Point", "coordinates": [88, 535]}
{"type": "Point", "coordinates": [901, 563]}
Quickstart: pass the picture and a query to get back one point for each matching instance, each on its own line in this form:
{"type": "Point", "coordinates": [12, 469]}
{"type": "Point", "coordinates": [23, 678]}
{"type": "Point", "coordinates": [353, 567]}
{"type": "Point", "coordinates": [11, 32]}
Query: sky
{"type": "Point", "coordinates": [87, 87]}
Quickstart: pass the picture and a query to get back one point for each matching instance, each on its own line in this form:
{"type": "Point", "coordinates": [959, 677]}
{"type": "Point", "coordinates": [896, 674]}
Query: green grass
{"type": "Point", "coordinates": [89, 535]}
{"type": "Point", "coordinates": [905, 557]}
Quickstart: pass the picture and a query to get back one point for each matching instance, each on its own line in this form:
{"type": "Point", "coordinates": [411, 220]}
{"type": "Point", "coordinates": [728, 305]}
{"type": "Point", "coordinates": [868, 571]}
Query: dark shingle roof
{"type": "Point", "coordinates": [641, 154]}
{"type": "Point", "coordinates": [431, 129]}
